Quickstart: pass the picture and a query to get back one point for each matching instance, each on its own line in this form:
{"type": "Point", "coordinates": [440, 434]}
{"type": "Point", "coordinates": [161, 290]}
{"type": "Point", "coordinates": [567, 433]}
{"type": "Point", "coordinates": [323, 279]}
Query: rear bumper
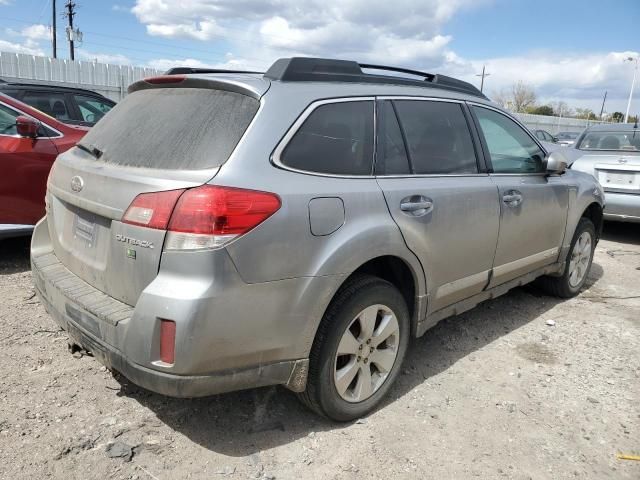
{"type": "Point", "coordinates": [182, 386]}
{"type": "Point", "coordinates": [229, 335]}
{"type": "Point", "coordinates": [622, 207]}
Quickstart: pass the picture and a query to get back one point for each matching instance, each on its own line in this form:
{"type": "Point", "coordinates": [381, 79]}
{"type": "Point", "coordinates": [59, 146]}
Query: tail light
{"type": "Point", "coordinates": [152, 210]}
{"type": "Point", "coordinates": [204, 217]}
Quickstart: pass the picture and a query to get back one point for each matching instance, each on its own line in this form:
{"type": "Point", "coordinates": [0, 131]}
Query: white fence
{"type": "Point", "coordinates": [554, 125]}
{"type": "Point", "coordinates": [109, 80]}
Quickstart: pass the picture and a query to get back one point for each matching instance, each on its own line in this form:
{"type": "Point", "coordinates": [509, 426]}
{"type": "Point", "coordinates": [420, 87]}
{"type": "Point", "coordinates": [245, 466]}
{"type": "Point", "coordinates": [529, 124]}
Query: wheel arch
{"type": "Point", "coordinates": [594, 212]}
{"type": "Point", "coordinates": [403, 275]}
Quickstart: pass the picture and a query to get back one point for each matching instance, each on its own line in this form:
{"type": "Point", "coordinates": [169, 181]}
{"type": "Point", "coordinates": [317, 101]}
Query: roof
{"type": "Point", "coordinates": [298, 70]}
{"type": "Point", "coordinates": [12, 85]}
{"type": "Point", "coordinates": [612, 127]}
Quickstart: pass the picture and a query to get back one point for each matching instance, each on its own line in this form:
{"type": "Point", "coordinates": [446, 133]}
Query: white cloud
{"type": "Point", "coordinates": [36, 32]}
{"type": "Point", "coordinates": [410, 33]}
{"type": "Point", "coordinates": [29, 48]}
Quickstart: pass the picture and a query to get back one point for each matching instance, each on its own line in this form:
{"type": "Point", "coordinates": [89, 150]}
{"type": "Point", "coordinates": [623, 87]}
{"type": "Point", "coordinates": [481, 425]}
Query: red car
{"type": "Point", "coordinates": [30, 141]}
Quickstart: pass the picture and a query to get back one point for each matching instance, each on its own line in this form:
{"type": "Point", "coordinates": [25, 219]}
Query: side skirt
{"type": "Point", "coordinates": [498, 290]}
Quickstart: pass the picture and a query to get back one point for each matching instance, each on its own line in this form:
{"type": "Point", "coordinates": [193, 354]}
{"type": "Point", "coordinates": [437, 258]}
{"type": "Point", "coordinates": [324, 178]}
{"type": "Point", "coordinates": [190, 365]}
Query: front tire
{"type": "Point", "coordinates": [577, 264]}
{"type": "Point", "coordinates": [358, 350]}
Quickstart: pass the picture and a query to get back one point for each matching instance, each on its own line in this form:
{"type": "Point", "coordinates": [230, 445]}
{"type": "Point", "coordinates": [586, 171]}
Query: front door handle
{"type": "Point", "coordinates": [512, 198]}
{"type": "Point", "coordinates": [416, 205]}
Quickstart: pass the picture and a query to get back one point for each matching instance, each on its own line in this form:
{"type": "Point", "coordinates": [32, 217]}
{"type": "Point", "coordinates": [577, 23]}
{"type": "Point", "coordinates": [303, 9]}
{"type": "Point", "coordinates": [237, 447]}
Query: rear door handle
{"type": "Point", "coordinates": [416, 205]}
{"type": "Point", "coordinates": [512, 198]}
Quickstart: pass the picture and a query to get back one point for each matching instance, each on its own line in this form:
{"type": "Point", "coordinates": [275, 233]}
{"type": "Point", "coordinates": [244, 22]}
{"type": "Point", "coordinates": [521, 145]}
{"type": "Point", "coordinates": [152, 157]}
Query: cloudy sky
{"type": "Point", "coordinates": [570, 50]}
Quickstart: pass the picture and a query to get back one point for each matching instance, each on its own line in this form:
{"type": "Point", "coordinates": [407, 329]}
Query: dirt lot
{"type": "Point", "coordinates": [493, 393]}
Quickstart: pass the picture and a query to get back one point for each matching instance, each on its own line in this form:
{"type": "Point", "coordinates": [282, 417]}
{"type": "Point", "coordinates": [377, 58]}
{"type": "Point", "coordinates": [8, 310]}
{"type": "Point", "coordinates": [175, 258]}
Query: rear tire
{"type": "Point", "coordinates": [577, 264]}
{"type": "Point", "coordinates": [358, 350]}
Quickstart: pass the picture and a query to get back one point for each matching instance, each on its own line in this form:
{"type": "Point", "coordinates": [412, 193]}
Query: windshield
{"type": "Point", "coordinates": [619, 141]}
{"type": "Point", "coordinates": [567, 135]}
{"type": "Point", "coordinates": [172, 128]}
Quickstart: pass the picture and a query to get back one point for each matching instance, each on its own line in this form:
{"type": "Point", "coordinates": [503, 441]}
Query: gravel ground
{"type": "Point", "coordinates": [493, 393]}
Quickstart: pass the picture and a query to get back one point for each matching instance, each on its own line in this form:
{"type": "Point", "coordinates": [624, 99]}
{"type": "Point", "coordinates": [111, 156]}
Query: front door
{"type": "Point", "coordinates": [445, 206]}
{"type": "Point", "coordinates": [24, 167]}
{"type": "Point", "coordinates": [533, 206]}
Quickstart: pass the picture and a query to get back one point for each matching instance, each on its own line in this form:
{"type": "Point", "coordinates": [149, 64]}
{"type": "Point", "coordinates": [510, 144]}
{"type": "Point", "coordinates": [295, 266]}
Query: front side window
{"type": "Point", "coordinates": [437, 136]}
{"type": "Point", "coordinates": [511, 149]}
{"type": "Point", "coordinates": [617, 141]}
{"type": "Point", "coordinates": [53, 104]}
{"type": "Point", "coordinates": [336, 138]}
{"type": "Point", "coordinates": [8, 121]}
{"type": "Point", "coordinates": [91, 108]}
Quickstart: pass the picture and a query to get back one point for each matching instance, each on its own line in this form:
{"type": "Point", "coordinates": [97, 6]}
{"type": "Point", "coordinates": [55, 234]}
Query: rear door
{"type": "Point", "coordinates": [438, 193]}
{"type": "Point", "coordinates": [533, 206]}
{"type": "Point", "coordinates": [156, 139]}
{"type": "Point", "coordinates": [53, 104]}
{"type": "Point", "coordinates": [89, 109]}
{"type": "Point", "coordinates": [24, 166]}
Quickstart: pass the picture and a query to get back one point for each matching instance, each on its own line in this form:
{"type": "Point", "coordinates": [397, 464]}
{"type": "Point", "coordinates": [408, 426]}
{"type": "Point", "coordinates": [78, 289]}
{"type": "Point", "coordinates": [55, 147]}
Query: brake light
{"type": "Point", "coordinates": [167, 341]}
{"type": "Point", "coordinates": [203, 217]}
{"type": "Point", "coordinates": [152, 210]}
{"type": "Point", "coordinates": [210, 216]}
{"type": "Point", "coordinates": [165, 79]}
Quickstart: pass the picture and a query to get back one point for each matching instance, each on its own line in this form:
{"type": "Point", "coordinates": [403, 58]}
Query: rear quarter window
{"type": "Point", "coordinates": [336, 138]}
{"type": "Point", "coordinates": [173, 128]}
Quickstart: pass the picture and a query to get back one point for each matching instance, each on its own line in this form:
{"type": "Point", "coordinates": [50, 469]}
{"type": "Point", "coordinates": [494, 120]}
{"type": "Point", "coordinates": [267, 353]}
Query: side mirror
{"type": "Point", "coordinates": [554, 139]}
{"type": "Point", "coordinates": [27, 126]}
{"type": "Point", "coordinates": [557, 163]}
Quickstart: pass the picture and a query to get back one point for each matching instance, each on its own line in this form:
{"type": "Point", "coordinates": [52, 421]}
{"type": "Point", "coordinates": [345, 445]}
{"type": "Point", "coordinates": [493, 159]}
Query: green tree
{"type": "Point", "coordinates": [617, 116]}
{"type": "Point", "coordinates": [542, 110]}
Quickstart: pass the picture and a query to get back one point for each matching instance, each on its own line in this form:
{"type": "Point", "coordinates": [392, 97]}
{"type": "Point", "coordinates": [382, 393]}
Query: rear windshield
{"type": "Point", "coordinates": [622, 141]}
{"type": "Point", "coordinates": [173, 128]}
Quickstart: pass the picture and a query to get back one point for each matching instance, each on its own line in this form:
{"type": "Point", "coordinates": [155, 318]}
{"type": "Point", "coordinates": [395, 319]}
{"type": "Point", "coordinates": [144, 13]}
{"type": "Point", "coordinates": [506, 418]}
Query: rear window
{"type": "Point", "coordinates": [173, 128]}
{"type": "Point", "coordinates": [337, 139]}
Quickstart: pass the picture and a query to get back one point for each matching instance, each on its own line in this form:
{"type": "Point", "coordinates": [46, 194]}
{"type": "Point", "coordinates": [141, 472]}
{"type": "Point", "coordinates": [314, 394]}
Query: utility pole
{"type": "Point", "coordinates": [633, 83]}
{"type": "Point", "coordinates": [603, 100]}
{"type": "Point", "coordinates": [54, 33]}
{"type": "Point", "coordinates": [72, 35]}
{"type": "Point", "coordinates": [483, 74]}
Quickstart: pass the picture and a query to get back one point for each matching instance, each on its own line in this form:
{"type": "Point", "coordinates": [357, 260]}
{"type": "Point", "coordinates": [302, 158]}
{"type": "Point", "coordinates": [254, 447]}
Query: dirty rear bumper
{"type": "Point", "coordinates": [288, 373]}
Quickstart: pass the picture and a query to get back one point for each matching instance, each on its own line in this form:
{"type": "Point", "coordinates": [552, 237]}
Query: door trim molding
{"type": "Point", "coordinates": [506, 268]}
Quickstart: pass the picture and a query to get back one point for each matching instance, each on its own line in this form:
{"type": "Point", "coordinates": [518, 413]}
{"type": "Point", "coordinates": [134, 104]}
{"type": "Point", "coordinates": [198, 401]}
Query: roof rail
{"type": "Point", "coordinates": [301, 69]}
{"type": "Point", "coordinates": [188, 70]}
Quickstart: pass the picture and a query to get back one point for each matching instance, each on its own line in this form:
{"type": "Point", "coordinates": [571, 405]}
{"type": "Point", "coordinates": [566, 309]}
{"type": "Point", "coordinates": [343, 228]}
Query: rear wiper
{"type": "Point", "coordinates": [96, 152]}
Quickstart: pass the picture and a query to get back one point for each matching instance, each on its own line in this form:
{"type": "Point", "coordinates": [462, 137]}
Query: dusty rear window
{"type": "Point", "coordinates": [173, 128]}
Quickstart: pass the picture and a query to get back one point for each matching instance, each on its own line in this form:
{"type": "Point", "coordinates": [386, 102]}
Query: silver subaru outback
{"type": "Point", "coordinates": [225, 230]}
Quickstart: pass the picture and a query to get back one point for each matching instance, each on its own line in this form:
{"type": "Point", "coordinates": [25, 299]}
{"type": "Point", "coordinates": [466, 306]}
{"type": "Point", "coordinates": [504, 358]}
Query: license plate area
{"type": "Point", "coordinates": [619, 180]}
{"type": "Point", "coordinates": [84, 229]}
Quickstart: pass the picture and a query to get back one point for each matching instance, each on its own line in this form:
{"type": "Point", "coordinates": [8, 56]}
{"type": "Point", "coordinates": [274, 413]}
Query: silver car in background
{"type": "Point", "coordinates": [220, 231]}
{"type": "Point", "coordinates": [611, 153]}
{"type": "Point", "coordinates": [566, 139]}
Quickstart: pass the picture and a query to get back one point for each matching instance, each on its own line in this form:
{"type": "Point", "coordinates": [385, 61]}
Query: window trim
{"type": "Point", "coordinates": [485, 147]}
{"type": "Point", "coordinates": [481, 163]}
{"type": "Point", "coordinates": [284, 142]}
{"type": "Point", "coordinates": [24, 114]}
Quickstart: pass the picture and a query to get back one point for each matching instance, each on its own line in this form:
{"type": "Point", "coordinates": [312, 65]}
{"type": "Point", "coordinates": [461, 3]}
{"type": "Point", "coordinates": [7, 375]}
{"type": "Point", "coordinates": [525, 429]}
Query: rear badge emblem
{"type": "Point", "coordinates": [622, 160]}
{"type": "Point", "coordinates": [131, 253]}
{"type": "Point", "coordinates": [77, 183]}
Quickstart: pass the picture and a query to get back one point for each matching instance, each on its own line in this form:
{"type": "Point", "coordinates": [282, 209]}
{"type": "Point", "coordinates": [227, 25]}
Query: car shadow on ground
{"type": "Point", "coordinates": [242, 423]}
{"type": "Point", "coordinates": [14, 255]}
{"type": "Point", "coordinates": [622, 232]}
